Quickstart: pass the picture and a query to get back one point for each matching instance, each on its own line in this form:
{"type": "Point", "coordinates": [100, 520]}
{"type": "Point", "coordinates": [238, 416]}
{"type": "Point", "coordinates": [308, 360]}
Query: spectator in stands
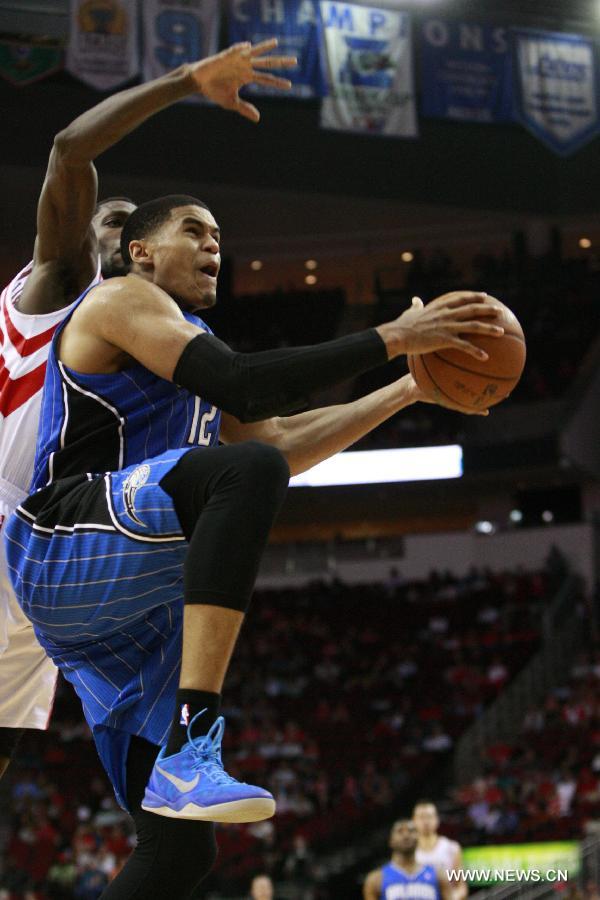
{"type": "Point", "coordinates": [438, 741]}
{"type": "Point", "coordinates": [261, 888]}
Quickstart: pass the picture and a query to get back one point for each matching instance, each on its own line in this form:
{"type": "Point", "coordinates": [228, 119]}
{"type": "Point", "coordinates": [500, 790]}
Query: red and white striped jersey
{"type": "Point", "coordinates": [27, 675]}
{"type": "Point", "coordinates": [23, 355]}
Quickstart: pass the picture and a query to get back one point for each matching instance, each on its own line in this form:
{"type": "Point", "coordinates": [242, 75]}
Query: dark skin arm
{"type": "Point", "coordinates": [65, 254]}
{"type": "Point", "coordinates": [372, 885]}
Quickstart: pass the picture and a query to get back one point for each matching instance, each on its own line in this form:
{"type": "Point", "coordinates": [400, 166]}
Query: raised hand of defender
{"type": "Point", "coordinates": [221, 77]}
{"type": "Point", "coordinates": [445, 322]}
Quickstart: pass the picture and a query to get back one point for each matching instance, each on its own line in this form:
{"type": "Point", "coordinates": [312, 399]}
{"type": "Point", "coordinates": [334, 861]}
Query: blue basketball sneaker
{"type": "Point", "coordinates": [192, 784]}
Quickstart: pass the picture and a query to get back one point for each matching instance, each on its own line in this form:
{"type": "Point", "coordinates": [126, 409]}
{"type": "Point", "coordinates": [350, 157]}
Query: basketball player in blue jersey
{"type": "Point", "coordinates": [72, 233]}
{"type": "Point", "coordinates": [403, 878]}
{"type": "Point", "coordinates": [136, 557]}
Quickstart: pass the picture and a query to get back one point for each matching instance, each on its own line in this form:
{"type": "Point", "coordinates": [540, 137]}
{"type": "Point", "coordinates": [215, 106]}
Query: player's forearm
{"type": "Point", "coordinates": [99, 128]}
{"type": "Point", "coordinates": [309, 438]}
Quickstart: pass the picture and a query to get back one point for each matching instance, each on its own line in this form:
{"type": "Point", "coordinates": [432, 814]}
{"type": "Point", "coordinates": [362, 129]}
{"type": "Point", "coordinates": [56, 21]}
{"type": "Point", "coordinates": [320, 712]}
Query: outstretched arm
{"type": "Point", "coordinates": [69, 193]}
{"type": "Point", "coordinates": [311, 437]}
{"type": "Point", "coordinates": [132, 318]}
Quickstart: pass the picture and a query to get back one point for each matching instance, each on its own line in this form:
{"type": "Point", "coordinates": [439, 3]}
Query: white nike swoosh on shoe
{"type": "Point", "coordinates": [184, 786]}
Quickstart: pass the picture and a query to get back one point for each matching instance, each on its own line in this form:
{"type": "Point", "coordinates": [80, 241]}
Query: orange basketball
{"type": "Point", "coordinates": [451, 376]}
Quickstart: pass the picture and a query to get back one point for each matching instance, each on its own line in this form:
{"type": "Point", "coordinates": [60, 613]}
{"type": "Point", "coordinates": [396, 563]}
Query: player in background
{"type": "Point", "coordinates": [261, 888]}
{"type": "Point", "coordinates": [436, 850]}
{"type": "Point", "coordinates": [27, 675]}
{"type": "Point", "coordinates": [403, 878]}
{"type": "Point", "coordinates": [72, 231]}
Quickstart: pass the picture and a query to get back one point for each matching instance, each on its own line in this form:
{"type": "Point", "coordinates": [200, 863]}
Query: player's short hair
{"type": "Point", "coordinates": [424, 802]}
{"type": "Point", "coordinates": [106, 200]}
{"type": "Point", "coordinates": [149, 216]}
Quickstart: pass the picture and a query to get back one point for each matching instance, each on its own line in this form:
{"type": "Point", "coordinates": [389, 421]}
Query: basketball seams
{"type": "Point", "coordinates": [474, 371]}
{"type": "Point", "coordinates": [434, 382]}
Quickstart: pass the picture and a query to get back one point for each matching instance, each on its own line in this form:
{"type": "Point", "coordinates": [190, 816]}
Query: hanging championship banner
{"type": "Point", "coordinates": [103, 42]}
{"type": "Point", "coordinates": [177, 33]}
{"type": "Point", "coordinates": [369, 63]}
{"type": "Point", "coordinates": [23, 63]}
{"type": "Point", "coordinates": [557, 93]}
{"type": "Point", "coordinates": [466, 72]}
{"type": "Point", "coordinates": [297, 26]}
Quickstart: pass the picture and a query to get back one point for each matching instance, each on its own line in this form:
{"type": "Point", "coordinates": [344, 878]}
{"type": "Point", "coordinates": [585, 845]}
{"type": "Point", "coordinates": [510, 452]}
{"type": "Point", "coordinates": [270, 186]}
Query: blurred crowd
{"type": "Point", "coordinates": [546, 782]}
{"type": "Point", "coordinates": [384, 677]}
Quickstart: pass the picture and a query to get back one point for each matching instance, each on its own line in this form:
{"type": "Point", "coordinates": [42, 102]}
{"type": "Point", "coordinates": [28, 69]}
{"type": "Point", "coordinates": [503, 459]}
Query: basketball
{"type": "Point", "coordinates": [451, 376]}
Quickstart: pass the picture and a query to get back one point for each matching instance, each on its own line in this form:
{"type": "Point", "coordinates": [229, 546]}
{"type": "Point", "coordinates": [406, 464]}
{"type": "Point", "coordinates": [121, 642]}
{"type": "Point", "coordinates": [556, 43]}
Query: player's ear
{"type": "Point", "coordinates": [138, 251]}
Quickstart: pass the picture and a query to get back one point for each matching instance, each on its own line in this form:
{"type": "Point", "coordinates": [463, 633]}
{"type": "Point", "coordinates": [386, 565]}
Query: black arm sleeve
{"type": "Point", "coordinates": [254, 386]}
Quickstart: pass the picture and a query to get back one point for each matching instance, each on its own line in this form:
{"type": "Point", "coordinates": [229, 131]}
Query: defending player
{"type": "Point", "coordinates": [435, 849]}
{"type": "Point", "coordinates": [403, 878]}
{"type": "Point", "coordinates": [71, 232]}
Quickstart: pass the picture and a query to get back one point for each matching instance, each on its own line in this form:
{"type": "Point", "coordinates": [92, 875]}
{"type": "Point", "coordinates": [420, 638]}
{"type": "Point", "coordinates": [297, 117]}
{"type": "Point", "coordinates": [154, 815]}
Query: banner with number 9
{"type": "Point", "coordinates": [177, 33]}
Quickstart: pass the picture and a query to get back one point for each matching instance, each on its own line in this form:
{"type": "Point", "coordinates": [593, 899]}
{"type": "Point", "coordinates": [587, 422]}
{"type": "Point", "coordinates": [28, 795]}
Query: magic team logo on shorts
{"type": "Point", "coordinates": [131, 485]}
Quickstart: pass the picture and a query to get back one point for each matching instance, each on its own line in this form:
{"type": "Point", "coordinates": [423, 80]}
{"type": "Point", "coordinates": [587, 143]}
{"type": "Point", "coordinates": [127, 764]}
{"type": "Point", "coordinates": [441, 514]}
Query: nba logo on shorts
{"type": "Point", "coordinates": [132, 484]}
{"type": "Point", "coordinates": [185, 714]}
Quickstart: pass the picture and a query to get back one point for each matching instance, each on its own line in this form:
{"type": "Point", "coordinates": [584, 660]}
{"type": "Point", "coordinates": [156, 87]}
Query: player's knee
{"type": "Point", "coordinates": [264, 469]}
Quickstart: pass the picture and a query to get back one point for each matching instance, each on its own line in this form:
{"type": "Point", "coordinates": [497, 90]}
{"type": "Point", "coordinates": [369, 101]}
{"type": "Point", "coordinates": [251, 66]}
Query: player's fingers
{"type": "Point", "coordinates": [274, 62]}
{"type": "Point", "coordinates": [460, 298]}
{"type": "Point", "coordinates": [262, 46]}
{"type": "Point", "coordinates": [241, 45]}
{"type": "Point", "coordinates": [417, 303]}
{"type": "Point", "coordinates": [470, 349]}
{"type": "Point", "coordinates": [473, 311]}
{"type": "Point", "coordinates": [477, 327]}
{"type": "Point", "coordinates": [283, 84]}
{"type": "Point", "coordinates": [248, 110]}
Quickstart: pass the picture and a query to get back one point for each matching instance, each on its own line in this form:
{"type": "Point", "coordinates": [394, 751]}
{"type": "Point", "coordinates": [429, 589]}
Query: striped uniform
{"type": "Point", "coordinates": [396, 884]}
{"type": "Point", "coordinates": [96, 554]}
{"type": "Point", "coordinates": [27, 676]}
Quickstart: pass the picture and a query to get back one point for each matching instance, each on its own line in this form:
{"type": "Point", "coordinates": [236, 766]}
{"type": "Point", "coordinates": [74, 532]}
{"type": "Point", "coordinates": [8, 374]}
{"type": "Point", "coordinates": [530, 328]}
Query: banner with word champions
{"type": "Point", "coordinates": [465, 71]}
{"type": "Point", "coordinates": [297, 26]}
{"type": "Point", "coordinates": [370, 70]}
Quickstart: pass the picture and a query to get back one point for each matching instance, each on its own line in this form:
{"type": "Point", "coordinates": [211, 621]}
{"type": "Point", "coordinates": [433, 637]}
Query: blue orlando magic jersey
{"type": "Point", "coordinates": [396, 884]}
{"type": "Point", "coordinates": [102, 423]}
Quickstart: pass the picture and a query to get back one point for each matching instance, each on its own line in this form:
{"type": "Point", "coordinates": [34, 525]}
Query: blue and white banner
{"type": "Point", "coordinates": [370, 70]}
{"type": "Point", "coordinates": [466, 71]}
{"type": "Point", "coordinates": [557, 96]}
{"type": "Point", "coordinates": [102, 49]}
{"type": "Point", "coordinates": [177, 33]}
{"type": "Point", "coordinates": [297, 26]}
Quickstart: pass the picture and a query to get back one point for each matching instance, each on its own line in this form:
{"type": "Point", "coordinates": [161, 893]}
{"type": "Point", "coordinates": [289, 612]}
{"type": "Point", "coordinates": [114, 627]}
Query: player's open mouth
{"type": "Point", "coordinates": [211, 269]}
